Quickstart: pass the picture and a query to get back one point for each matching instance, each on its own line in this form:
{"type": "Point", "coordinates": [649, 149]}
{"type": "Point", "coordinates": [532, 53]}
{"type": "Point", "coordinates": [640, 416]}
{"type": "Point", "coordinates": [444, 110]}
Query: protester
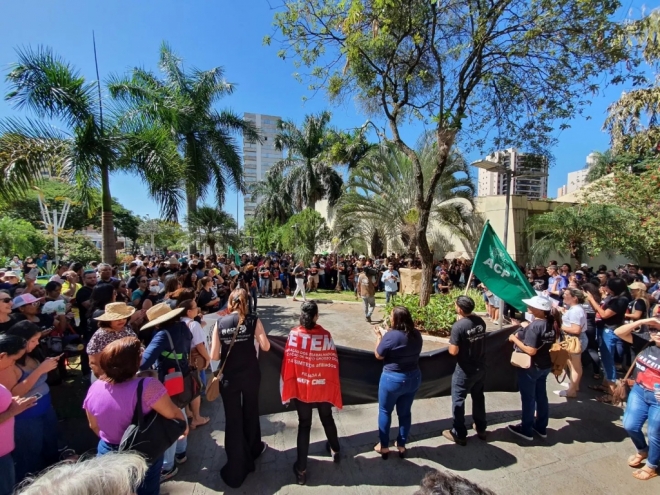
{"type": "Point", "coordinates": [391, 281]}
{"type": "Point", "coordinates": [643, 404]}
{"type": "Point", "coordinates": [112, 474]}
{"type": "Point", "coordinates": [7, 318]}
{"type": "Point", "coordinates": [467, 342]}
{"type": "Point", "coordinates": [534, 339]}
{"type": "Point", "coordinates": [233, 342]}
{"type": "Point", "coordinates": [399, 348]}
{"type": "Point", "coordinates": [574, 324]}
{"type": "Point", "coordinates": [207, 300]}
{"type": "Point", "coordinates": [367, 290]}
{"type": "Point", "coordinates": [35, 428]}
{"type": "Point", "coordinates": [169, 349]}
{"type": "Point", "coordinates": [299, 275]}
{"type": "Point", "coordinates": [12, 348]}
{"type": "Point", "coordinates": [310, 355]}
{"type": "Point", "coordinates": [112, 324]}
{"type": "Point", "coordinates": [111, 401]}
{"type": "Point", "coordinates": [591, 354]}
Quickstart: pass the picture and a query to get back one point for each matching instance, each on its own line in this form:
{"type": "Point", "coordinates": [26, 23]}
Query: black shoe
{"type": "Point", "coordinates": [449, 435]}
{"type": "Point", "coordinates": [180, 458]}
{"type": "Point", "coordinates": [481, 434]}
{"type": "Point", "coordinates": [517, 430]}
{"type": "Point", "coordinates": [301, 478]}
{"type": "Point", "coordinates": [368, 318]}
{"type": "Point", "coordinates": [334, 455]}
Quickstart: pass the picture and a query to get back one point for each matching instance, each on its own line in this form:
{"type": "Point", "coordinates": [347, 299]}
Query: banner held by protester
{"type": "Point", "coordinates": [497, 271]}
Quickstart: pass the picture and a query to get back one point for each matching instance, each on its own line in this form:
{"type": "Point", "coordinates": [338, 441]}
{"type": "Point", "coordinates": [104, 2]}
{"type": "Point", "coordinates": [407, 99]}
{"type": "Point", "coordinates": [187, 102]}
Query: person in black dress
{"type": "Point", "coordinates": [240, 386]}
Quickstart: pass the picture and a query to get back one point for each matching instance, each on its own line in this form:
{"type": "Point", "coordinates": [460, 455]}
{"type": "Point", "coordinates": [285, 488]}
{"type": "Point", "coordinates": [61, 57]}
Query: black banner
{"type": "Point", "coordinates": [360, 372]}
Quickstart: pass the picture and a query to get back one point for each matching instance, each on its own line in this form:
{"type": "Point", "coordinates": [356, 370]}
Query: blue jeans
{"type": "Point", "coordinates": [643, 405]}
{"type": "Point", "coordinates": [608, 348]}
{"type": "Point", "coordinates": [396, 389]}
{"type": "Point", "coordinates": [178, 447]}
{"type": "Point", "coordinates": [36, 443]}
{"type": "Point", "coordinates": [534, 398]}
{"type": "Point", "coordinates": [151, 482]}
{"type": "Point", "coordinates": [263, 285]}
{"type": "Point", "coordinates": [343, 282]}
{"type": "Point", "coordinates": [7, 475]}
{"type": "Point", "coordinates": [463, 384]}
{"type": "Point", "coordinates": [389, 294]}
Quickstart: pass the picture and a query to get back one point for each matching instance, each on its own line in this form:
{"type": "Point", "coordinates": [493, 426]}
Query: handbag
{"type": "Point", "coordinates": [213, 386]}
{"type": "Point", "coordinates": [571, 344]}
{"type": "Point", "coordinates": [150, 435]}
{"type": "Point", "coordinates": [623, 386]}
{"type": "Point", "coordinates": [183, 388]}
{"type": "Point", "coordinates": [521, 360]}
{"type": "Point", "coordinates": [196, 360]}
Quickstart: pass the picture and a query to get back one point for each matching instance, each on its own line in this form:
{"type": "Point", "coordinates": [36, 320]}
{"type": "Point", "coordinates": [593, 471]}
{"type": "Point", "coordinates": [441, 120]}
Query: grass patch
{"type": "Point", "coordinates": [346, 296]}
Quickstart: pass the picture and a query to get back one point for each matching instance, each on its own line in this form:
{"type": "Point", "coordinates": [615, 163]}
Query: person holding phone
{"type": "Point", "coordinates": [35, 428]}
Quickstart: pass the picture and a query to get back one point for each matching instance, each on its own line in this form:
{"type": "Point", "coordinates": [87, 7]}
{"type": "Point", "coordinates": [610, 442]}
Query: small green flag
{"type": "Point", "coordinates": [237, 258]}
{"type": "Point", "coordinates": [497, 271]}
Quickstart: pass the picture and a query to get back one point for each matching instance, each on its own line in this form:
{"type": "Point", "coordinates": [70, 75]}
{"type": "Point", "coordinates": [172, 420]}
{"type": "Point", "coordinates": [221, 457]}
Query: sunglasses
{"type": "Point", "coordinates": [5, 300]}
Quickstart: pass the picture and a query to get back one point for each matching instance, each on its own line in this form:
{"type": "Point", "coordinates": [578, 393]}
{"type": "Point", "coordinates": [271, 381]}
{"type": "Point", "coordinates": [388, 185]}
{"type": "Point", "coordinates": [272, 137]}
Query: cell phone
{"type": "Point", "coordinates": [37, 396]}
{"type": "Point", "coordinates": [56, 358]}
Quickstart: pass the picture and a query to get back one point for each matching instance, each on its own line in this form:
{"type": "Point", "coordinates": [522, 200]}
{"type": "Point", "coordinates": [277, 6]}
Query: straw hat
{"type": "Point", "coordinates": [116, 311]}
{"type": "Point", "coordinates": [160, 313]}
{"type": "Point", "coordinates": [637, 286]}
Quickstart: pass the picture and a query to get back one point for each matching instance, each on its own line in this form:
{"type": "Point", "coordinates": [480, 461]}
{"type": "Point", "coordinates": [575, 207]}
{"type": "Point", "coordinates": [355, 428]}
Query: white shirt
{"type": "Point", "coordinates": [199, 335]}
{"type": "Point", "coordinates": [390, 285]}
{"type": "Point", "coordinates": [575, 315]}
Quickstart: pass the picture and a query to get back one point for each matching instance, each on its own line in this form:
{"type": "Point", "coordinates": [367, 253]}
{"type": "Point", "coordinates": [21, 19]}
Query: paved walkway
{"type": "Point", "coordinates": [585, 452]}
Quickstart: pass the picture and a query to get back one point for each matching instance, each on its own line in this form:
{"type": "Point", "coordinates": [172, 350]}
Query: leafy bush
{"type": "Point", "coordinates": [439, 314]}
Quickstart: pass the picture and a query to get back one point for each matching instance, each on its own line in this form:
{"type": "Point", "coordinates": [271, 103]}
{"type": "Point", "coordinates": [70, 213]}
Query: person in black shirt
{"type": "Point", "coordinates": [467, 342]}
{"type": "Point", "coordinates": [534, 339]}
{"type": "Point", "coordinates": [540, 281]}
{"type": "Point", "coordinates": [240, 386]}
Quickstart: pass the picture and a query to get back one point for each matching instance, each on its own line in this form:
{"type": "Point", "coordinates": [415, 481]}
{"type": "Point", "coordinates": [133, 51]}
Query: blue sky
{"type": "Point", "coordinates": [225, 33]}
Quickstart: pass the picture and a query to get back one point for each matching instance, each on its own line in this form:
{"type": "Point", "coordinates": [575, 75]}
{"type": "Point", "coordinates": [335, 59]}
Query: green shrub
{"type": "Point", "coordinates": [439, 314]}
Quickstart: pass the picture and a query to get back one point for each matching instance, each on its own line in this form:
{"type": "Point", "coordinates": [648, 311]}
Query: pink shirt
{"type": "Point", "coordinates": [7, 427]}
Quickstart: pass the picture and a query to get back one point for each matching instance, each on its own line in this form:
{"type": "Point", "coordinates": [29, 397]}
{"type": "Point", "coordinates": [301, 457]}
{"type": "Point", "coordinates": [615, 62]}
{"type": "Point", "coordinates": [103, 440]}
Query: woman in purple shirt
{"type": "Point", "coordinates": [111, 400]}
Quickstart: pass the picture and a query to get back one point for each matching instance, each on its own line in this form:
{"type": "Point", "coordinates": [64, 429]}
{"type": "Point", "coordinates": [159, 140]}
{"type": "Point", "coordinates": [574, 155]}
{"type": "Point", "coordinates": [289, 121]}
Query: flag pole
{"type": "Point", "coordinates": [469, 281]}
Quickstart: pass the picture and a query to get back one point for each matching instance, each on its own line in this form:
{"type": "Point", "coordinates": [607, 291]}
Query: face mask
{"type": "Point", "coordinates": [154, 289]}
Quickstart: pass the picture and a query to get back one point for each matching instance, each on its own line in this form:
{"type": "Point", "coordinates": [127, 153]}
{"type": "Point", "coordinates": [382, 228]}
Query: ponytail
{"type": "Point", "coordinates": [238, 302]}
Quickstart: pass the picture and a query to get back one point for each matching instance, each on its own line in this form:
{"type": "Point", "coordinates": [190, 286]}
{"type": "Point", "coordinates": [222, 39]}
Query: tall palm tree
{"type": "Point", "coordinates": [87, 150]}
{"type": "Point", "coordinates": [183, 103]}
{"type": "Point", "coordinates": [273, 201]}
{"type": "Point", "coordinates": [379, 195]}
{"type": "Point", "coordinates": [308, 170]}
{"type": "Point", "coordinates": [214, 224]}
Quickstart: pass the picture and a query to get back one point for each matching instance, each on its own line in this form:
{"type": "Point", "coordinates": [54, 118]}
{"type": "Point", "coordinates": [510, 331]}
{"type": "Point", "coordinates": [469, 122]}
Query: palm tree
{"type": "Point", "coordinates": [213, 224]}
{"type": "Point", "coordinates": [182, 102]}
{"type": "Point", "coordinates": [87, 150]}
{"type": "Point", "coordinates": [379, 196]}
{"type": "Point", "coordinates": [308, 170]}
{"type": "Point", "coordinates": [273, 201]}
{"type": "Point", "coordinates": [581, 230]}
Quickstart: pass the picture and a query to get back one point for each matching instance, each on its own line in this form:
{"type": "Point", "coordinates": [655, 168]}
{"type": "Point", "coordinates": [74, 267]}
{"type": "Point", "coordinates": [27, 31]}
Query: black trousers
{"type": "Point", "coordinates": [463, 384]}
{"type": "Point", "coordinates": [240, 397]}
{"type": "Point", "coordinates": [305, 426]}
{"type": "Point", "coordinates": [590, 355]}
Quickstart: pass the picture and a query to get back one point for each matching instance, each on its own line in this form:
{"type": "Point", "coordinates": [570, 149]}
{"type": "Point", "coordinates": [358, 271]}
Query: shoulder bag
{"type": "Point", "coordinates": [213, 387]}
{"type": "Point", "coordinates": [150, 435]}
{"type": "Point", "coordinates": [197, 361]}
{"type": "Point", "coordinates": [623, 386]}
{"type": "Point", "coordinates": [191, 385]}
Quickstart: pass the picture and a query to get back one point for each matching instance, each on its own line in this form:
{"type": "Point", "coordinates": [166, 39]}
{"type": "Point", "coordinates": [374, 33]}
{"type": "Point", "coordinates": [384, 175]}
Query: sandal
{"type": "Point", "coordinates": [635, 461]}
{"type": "Point", "coordinates": [645, 474]}
{"type": "Point", "coordinates": [383, 454]}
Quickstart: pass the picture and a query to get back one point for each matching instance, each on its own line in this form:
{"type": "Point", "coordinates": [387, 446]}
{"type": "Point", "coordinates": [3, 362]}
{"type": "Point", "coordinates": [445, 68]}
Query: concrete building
{"type": "Point", "coordinates": [577, 180]}
{"type": "Point", "coordinates": [494, 183]}
{"type": "Point", "coordinates": [258, 158]}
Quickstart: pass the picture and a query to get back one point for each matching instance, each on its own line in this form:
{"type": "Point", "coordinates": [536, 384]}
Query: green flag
{"type": "Point", "coordinates": [237, 258]}
{"type": "Point", "coordinates": [497, 271]}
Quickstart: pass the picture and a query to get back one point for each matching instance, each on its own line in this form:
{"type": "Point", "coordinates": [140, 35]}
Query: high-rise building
{"type": "Point", "coordinates": [577, 180]}
{"type": "Point", "coordinates": [258, 158]}
{"type": "Point", "coordinates": [494, 183]}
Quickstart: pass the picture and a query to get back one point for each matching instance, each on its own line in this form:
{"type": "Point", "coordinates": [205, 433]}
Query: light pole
{"type": "Point", "coordinates": [509, 174]}
{"type": "Point", "coordinates": [54, 224]}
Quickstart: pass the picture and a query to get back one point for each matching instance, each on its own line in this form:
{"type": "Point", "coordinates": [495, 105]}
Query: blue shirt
{"type": "Point", "coordinates": [400, 353]}
{"type": "Point", "coordinates": [390, 285]}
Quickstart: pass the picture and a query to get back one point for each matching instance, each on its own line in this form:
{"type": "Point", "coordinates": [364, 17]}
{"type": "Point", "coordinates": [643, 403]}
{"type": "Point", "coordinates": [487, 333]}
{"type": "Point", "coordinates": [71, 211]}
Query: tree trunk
{"type": "Point", "coordinates": [191, 202]}
{"type": "Point", "coordinates": [211, 244]}
{"type": "Point", "coordinates": [109, 252]}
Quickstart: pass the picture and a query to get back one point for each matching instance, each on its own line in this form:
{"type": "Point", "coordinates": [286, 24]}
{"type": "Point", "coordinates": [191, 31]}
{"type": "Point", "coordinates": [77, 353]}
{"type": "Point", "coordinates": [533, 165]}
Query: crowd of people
{"type": "Point", "coordinates": [142, 343]}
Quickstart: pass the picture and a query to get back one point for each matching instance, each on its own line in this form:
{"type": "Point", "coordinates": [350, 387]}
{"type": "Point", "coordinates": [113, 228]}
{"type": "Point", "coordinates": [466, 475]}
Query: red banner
{"type": "Point", "coordinates": [310, 368]}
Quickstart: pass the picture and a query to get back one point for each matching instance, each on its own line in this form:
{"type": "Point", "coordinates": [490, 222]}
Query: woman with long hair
{"type": "Point", "coordinates": [399, 349]}
{"type": "Point", "coordinates": [35, 429]}
{"type": "Point", "coordinates": [310, 351]}
{"type": "Point", "coordinates": [612, 311]}
{"type": "Point", "coordinates": [12, 348]}
{"type": "Point", "coordinates": [574, 324]}
{"type": "Point", "coordinates": [207, 299]}
{"type": "Point", "coordinates": [238, 331]}
{"type": "Point", "coordinates": [535, 340]}
{"type": "Point", "coordinates": [110, 402]}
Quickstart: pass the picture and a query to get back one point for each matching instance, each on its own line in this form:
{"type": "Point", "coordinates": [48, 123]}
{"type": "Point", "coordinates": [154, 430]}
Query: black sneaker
{"type": "Point", "coordinates": [449, 435]}
{"type": "Point", "coordinates": [301, 478]}
{"type": "Point", "coordinates": [368, 318]}
{"type": "Point", "coordinates": [542, 435]}
{"type": "Point", "coordinates": [166, 475]}
{"type": "Point", "coordinates": [517, 430]}
{"type": "Point", "coordinates": [334, 455]}
{"type": "Point", "coordinates": [180, 458]}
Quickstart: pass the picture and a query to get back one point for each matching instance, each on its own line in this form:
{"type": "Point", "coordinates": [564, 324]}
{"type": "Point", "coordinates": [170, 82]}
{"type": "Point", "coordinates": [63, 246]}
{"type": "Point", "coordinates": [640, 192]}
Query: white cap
{"type": "Point", "coordinates": [539, 302]}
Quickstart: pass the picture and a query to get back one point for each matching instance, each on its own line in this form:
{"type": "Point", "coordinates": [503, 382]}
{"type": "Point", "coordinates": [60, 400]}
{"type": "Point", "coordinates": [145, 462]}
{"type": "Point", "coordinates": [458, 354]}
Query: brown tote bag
{"type": "Point", "coordinates": [213, 387]}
